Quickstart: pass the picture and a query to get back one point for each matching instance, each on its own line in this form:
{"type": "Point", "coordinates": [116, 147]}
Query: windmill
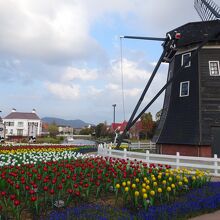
{"type": "Point", "coordinates": [190, 120]}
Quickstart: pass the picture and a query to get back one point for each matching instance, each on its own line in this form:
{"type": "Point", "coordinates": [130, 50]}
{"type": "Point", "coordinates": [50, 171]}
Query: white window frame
{"type": "Point", "coordinates": [189, 64]}
{"type": "Point", "coordinates": [181, 83]}
{"type": "Point", "coordinates": [212, 61]}
{"type": "Point", "coordinates": [20, 124]}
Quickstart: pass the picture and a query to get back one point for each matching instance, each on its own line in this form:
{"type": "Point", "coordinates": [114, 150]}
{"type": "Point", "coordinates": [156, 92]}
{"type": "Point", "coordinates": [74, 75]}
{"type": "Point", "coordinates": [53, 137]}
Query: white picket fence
{"type": "Point", "coordinates": [175, 161]}
{"type": "Point", "coordinates": [143, 146]}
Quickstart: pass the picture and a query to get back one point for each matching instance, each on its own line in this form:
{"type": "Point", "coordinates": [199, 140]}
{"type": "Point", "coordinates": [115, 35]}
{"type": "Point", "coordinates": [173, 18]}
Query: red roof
{"type": "Point", "coordinates": [119, 126]}
{"type": "Point", "coordinates": [22, 115]}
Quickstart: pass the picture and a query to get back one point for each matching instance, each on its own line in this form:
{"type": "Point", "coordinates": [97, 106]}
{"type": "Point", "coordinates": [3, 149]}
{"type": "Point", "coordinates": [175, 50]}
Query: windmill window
{"type": "Point", "coordinates": [185, 60]}
{"type": "Point", "coordinates": [184, 89]}
{"type": "Point", "coordinates": [214, 68]}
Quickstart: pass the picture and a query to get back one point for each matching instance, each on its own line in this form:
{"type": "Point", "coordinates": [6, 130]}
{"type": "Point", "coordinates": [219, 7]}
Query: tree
{"type": "Point", "coordinates": [148, 124]}
{"type": "Point", "coordinates": [86, 131]}
{"type": "Point", "coordinates": [158, 115]}
{"type": "Point", "coordinates": [101, 130]}
{"type": "Point", "coordinates": [53, 129]}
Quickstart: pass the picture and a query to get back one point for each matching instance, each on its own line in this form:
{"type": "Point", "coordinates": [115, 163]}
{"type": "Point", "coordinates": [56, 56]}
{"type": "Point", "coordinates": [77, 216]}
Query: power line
{"type": "Point", "coordinates": [122, 80]}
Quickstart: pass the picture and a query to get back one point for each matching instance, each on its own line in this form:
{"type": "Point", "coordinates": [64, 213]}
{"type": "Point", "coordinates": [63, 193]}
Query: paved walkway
{"type": "Point", "coordinates": [210, 216]}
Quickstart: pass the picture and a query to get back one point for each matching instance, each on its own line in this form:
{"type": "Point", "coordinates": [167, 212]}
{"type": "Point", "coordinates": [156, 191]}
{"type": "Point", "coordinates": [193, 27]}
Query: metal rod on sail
{"type": "Point", "coordinates": [142, 97]}
{"type": "Point", "coordinates": [144, 38]}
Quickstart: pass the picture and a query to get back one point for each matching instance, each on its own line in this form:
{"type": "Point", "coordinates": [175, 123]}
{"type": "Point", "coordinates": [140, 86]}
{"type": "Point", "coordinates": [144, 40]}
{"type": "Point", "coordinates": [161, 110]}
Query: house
{"type": "Point", "coordinates": [118, 127]}
{"type": "Point", "coordinates": [64, 129]}
{"type": "Point", "coordinates": [23, 124]}
{"type": "Point", "coordinates": [137, 131]}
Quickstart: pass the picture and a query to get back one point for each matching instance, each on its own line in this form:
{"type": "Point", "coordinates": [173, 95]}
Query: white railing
{"type": "Point", "coordinates": [175, 161]}
{"type": "Point", "coordinates": [143, 146]}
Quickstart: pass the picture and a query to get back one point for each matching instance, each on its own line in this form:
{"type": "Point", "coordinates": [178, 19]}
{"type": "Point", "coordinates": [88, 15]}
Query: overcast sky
{"type": "Point", "coordinates": [63, 57]}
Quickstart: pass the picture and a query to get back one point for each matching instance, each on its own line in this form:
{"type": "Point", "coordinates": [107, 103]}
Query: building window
{"type": "Point", "coordinates": [184, 89]}
{"type": "Point", "coordinates": [9, 123]}
{"type": "Point", "coordinates": [20, 132]}
{"type": "Point", "coordinates": [214, 68]}
{"type": "Point", "coordinates": [185, 60]}
{"type": "Point", "coordinates": [20, 124]}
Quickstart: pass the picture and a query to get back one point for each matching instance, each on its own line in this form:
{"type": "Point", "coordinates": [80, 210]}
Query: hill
{"type": "Point", "coordinates": [59, 121]}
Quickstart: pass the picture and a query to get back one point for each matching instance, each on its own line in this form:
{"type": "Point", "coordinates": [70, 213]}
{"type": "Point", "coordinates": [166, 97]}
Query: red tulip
{"type": "Point", "coordinates": [70, 191]}
{"type": "Point", "coordinates": [12, 197]}
{"type": "Point", "coordinates": [17, 202]}
{"type": "Point", "coordinates": [3, 193]}
{"type": "Point", "coordinates": [33, 198]}
{"type": "Point", "coordinates": [51, 191]}
{"type": "Point", "coordinates": [27, 187]}
{"type": "Point", "coordinates": [32, 192]}
{"type": "Point", "coordinates": [60, 186]}
{"type": "Point", "coordinates": [77, 193]}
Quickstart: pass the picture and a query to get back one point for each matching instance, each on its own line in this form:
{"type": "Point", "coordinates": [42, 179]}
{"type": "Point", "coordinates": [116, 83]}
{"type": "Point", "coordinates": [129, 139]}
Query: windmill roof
{"type": "Point", "coordinates": [22, 115]}
{"type": "Point", "coordinates": [195, 32]}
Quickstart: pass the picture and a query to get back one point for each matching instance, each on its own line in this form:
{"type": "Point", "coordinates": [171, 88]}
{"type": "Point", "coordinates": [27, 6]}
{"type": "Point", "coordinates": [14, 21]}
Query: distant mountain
{"type": "Point", "coordinates": [59, 121]}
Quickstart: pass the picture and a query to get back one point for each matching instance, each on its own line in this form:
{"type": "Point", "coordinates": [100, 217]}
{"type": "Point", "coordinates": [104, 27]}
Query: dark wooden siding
{"type": "Point", "coordinates": [210, 94]}
{"type": "Point", "coordinates": [181, 125]}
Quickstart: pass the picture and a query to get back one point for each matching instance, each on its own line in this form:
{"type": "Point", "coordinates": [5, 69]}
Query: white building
{"type": "Point", "coordinates": [22, 124]}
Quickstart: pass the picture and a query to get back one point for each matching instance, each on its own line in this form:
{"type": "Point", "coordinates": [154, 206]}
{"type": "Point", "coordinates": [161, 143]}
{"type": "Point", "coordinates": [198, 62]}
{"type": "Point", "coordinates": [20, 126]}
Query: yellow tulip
{"type": "Point", "coordinates": [143, 184]}
{"type": "Point", "coordinates": [137, 180]}
{"type": "Point", "coordinates": [168, 189]}
{"type": "Point", "coordinates": [152, 192]}
{"type": "Point", "coordinates": [117, 185]}
{"type": "Point", "coordinates": [136, 193]}
{"type": "Point", "coordinates": [173, 186]}
{"type": "Point", "coordinates": [159, 190]}
{"type": "Point", "coordinates": [126, 189]}
{"type": "Point", "coordinates": [133, 186]}
{"type": "Point", "coordinates": [124, 184]}
{"type": "Point", "coordinates": [145, 195]}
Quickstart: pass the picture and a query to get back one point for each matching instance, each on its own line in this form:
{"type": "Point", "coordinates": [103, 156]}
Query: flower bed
{"type": "Point", "coordinates": [43, 186]}
{"type": "Point", "coordinates": [18, 155]}
{"type": "Point", "coordinates": [197, 201]}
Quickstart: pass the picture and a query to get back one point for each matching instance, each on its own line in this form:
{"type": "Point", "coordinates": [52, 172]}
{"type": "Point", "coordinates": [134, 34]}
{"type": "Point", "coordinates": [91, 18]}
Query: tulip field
{"type": "Point", "coordinates": [35, 181]}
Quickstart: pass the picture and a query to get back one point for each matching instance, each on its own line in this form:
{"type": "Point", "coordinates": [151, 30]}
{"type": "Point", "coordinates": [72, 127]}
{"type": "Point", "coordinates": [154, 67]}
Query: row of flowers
{"type": "Point", "coordinates": [197, 201]}
{"type": "Point", "coordinates": [35, 148]}
{"type": "Point", "coordinates": [26, 156]}
{"type": "Point", "coordinates": [41, 186]}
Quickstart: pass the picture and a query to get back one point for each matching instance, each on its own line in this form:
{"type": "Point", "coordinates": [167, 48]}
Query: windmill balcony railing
{"type": "Point", "coordinates": [211, 165]}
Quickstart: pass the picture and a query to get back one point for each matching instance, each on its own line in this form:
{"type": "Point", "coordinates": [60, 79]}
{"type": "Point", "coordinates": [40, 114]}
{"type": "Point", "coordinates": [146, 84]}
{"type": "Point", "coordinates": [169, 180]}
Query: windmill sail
{"type": "Point", "coordinates": [207, 9]}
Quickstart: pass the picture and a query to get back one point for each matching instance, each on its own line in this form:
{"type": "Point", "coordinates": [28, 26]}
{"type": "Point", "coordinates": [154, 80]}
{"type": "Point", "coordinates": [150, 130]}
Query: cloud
{"type": "Point", "coordinates": [64, 91]}
{"type": "Point", "coordinates": [48, 32]}
{"type": "Point", "coordinates": [73, 73]}
{"type": "Point", "coordinates": [131, 70]}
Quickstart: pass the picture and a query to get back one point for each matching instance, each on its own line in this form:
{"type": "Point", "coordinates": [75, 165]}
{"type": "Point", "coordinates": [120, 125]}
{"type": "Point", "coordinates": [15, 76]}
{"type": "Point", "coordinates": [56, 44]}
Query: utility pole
{"type": "Point", "coordinates": [114, 105]}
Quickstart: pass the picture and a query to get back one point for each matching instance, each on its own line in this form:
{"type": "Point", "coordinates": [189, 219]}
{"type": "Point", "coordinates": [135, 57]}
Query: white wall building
{"type": "Point", "coordinates": [22, 124]}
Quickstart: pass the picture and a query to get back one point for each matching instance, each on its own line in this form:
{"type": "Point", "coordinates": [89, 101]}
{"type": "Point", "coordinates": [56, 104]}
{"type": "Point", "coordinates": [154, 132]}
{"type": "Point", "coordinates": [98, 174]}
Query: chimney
{"type": "Point", "coordinates": [13, 110]}
{"type": "Point", "coordinates": [34, 110]}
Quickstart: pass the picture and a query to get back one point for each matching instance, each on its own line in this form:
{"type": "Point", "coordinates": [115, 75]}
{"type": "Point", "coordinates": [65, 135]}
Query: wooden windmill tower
{"type": "Point", "coordinates": [190, 120]}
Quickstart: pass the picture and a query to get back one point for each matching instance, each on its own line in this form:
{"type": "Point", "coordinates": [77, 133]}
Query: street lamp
{"type": "Point", "coordinates": [114, 105]}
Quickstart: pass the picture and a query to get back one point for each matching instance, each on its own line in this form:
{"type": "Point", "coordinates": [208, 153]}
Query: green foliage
{"type": "Point", "coordinates": [102, 130]}
{"type": "Point", "coordinates": [53, 129]}
{"type": "Point", "coordinates": [148, 125]}
{"type": "Point", "coordinates": [52, 140]}
{"type": "Point", "coordinates": [86, 131]}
